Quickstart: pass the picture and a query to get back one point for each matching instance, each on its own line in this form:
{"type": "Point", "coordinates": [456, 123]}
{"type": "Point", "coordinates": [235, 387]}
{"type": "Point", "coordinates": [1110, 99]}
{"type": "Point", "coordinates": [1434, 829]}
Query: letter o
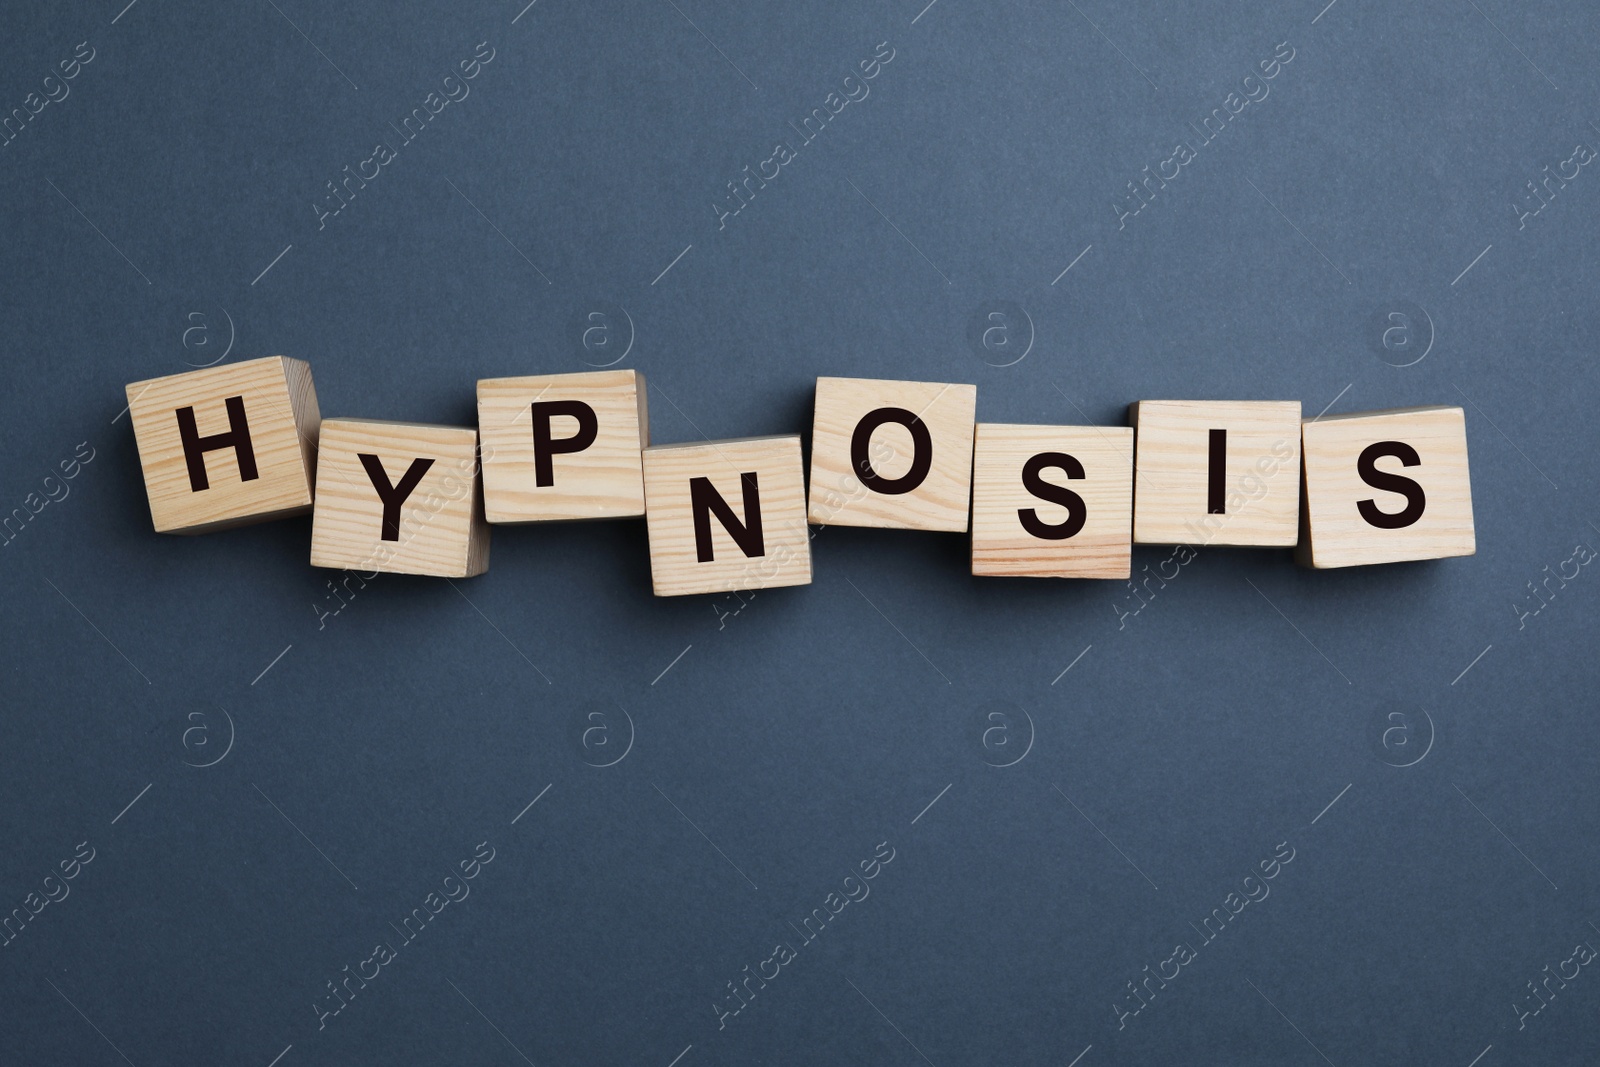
{"type": "Point", "coordinates": [921, 458]}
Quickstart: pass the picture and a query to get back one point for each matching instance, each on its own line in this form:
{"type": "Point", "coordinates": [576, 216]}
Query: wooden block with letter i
{"type": "Point", "coordinates": [401, 497]}
{"type": "Point", "coordinates": [1216, 472]}
{"type": "Point", "coordinates": [1387, 486]}
{"type": "Point", "coordinates": [1052, 501]}
{"type": "Point", "coordinates": [727, 515]}
{"type": "Point", "coordinates": [227, 445]}
{"type": "Point", "coordinates": [892, 454]}
{"type": "Point", "coordinates": [563, 446]}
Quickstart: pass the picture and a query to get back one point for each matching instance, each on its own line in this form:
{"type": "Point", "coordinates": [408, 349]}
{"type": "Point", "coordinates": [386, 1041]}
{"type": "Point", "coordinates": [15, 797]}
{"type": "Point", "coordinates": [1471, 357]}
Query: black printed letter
{"type": "Point", "coordinates": [921, 458]}
{"type": "Point", "coordinates": [393, 495]}
{"type": "Point", "coordinates": [1056, 494]}
{"type": "Point", "coordinates": [195, 447]}
{"type": "Point", "coordinates": [544, 449]}
{"type": "Point", "coordinates": [1216, 491]}
{"type": "Point", "coordinates": [1367, 468]}
{"type": "Point", "coordinates": [706, 501]}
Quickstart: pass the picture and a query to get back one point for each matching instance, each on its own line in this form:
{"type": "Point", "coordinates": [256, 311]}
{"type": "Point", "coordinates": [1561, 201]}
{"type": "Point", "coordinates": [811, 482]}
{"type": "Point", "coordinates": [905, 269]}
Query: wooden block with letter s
{"type": "Point", "coordinates": [727, 515]}
{"type": "Point", "coordinates": [892, 454]}
{"type": "Point", "coordinates": [1218, 472]}
{"type": "Point", "coordinates": [227, 445]}
{"type": "Point", "coordinates": [563, 446]}
{"type": "Point", "coordinates": [1387, 486]}
{"type": "Point", "coordinates": [400, 497]}
{"type": "Point", "coordinates": [1052, 501]}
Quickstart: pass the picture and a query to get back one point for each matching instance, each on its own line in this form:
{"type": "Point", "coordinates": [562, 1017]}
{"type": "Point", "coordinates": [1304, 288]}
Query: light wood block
{"type": "Point", "coordinates": [251, 433]}
{"type": "Point", "coordinates": [727, 515]}
{"type": "Point", "coordinates": [563, 446]}
{"type": "Point", "coordinates": [433, 520]}
{"type": "Point", "coordinates": [892, 454]}
{"type": "Point", "coordinates": [1367, 474]}
{"type": "Point", "coordinates": [1218, 472]}
{"type": "Point", "coordinates": [1052, 501]}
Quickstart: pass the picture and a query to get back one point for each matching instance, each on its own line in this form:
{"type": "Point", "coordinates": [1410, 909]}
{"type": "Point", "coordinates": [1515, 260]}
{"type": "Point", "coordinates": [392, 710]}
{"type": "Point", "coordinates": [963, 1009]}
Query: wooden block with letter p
{"type": "Point", "coordinates": [1052, 501]}
{"type": "Point", "coordinates": [563, 446]}
{"type": "Point", "coordinates": [727, 515]}
{"type": "Point", "coordinates": [892, 454]}
{"type": "Point", "coordinates": [401, 497]}
{"type": "Point", "coordinates": [227, 445]}
{"type": "Point", "coordinates": [1387, 486]}
{"type": "Point", "coordinates": [1218, 472]}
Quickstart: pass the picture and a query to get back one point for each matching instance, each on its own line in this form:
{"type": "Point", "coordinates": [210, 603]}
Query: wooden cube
{"type": "Point", "coordinates": [563, 446]}
{"type": "Point", "coordinates": [401, 497]}
{"type": "Point", "coordinates": [892, 454]}
{"type": "Point", "coordinates": [727, 515]}
{"type": "Point", "coordinates": [1052, 501]}
{"type": "Point", "coordinates": [1387, 486]}
{"type": "Point", "coordinates": [227, 445]}
{"type": "Point", "coordinates": [1218, 472]}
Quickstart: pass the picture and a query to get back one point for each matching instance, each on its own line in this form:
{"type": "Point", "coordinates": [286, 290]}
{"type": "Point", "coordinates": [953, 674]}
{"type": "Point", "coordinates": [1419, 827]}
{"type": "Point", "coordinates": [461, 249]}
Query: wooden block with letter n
{"type": "Point", "coordinates": [563, 446]}
{"type": "Point", "coordinates": [727, 515]}
{"type": "Point", "coordinates": [227, 445]}
{"type": "Point", "coordinates": [401, 497]}
{"type": "Point", "coordinates": [1387, 486]}
{"type": "Point", "coordinates": [1217, 472]}
{"type": "Point", "coordinates": [1052, 501]}
{"type": "Point", "coordinates": [892, 454]}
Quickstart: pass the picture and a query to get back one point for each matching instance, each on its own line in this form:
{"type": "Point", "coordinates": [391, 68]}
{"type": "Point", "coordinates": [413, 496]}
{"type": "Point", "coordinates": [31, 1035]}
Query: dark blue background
{"type": "Point", "coordinates": [788, 740]}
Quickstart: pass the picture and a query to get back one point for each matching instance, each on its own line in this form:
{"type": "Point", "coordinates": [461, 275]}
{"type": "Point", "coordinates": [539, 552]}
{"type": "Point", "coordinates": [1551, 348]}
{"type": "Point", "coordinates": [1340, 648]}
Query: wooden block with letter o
{"type": "Point", "coordinates": [1219, 472]}
{"type": "Point", "coordinates": [227, 445]}
{"type": "Point", "coordinates": [401, 497]}
{"type": "Point", "coordinates": [563, 446]}
{"type": "Point", "coordinates": [1387, 486]}
{"type": "Point", "coordinates": [1052, 501]}
{"type": "Point", "coordinates": [892, 454]}
{"type": "Point", "coordinates": [727, 515]}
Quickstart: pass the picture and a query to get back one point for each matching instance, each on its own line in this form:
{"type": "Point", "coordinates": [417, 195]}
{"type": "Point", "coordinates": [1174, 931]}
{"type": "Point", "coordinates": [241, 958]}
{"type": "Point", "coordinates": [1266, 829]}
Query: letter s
{"type": "Point", "coordinates": [1367, 468]}
{"type": "Point", "coordinates": [1034, 483]}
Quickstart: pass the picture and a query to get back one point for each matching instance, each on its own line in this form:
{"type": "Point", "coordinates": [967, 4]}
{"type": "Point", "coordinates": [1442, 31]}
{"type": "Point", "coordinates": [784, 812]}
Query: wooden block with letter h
{"type": "Point", "coordinates": [892, 454]}
{"type": "Point", "coordinates": [727, 515]}
{"type": "Point", "coordinates": [1387, 486]}
{"type": "Point", "coordinates": [1219, 472]}
{"type": "Point", "coordinates": [400, 497]}
{"type": "Point", "coordinates": [227, 445]}
{"type": "Point", "coordinates": [563, 446]}
{"type": "Point", "coordinates": [1052, 501]}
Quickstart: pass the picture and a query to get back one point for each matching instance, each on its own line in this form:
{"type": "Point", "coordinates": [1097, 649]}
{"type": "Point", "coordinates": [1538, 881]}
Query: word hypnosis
{"type": "Point", "coordinates": [455, 90]}
{"type": "Point", "coordinates": [741, 193]}
{"type": "Point", "coordinates": [239, 443]}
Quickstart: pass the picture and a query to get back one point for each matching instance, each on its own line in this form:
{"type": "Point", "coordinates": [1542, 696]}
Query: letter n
{"type": "Point", "coordinates": [706, 501]}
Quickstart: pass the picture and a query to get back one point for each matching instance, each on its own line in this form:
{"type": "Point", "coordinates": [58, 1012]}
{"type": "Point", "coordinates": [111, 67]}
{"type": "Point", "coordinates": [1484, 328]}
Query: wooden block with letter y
{"type": "Point", "coordinates": [1052, 501]}
{"type": "Point", "coordinates": [227, 445]}
{"type": "Point", "coordinates": [1387, 486]}
{"type": "Point", "coordinates": [892, 454]}
{"type": "Point", "coordinates": [401, 497]}
{"type": "Point", "coordinates": [563, 446]}
{"type": "Point", "coordinates": [1217, 472]}
{"type": "Point", "coordinates": [727, 515]}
